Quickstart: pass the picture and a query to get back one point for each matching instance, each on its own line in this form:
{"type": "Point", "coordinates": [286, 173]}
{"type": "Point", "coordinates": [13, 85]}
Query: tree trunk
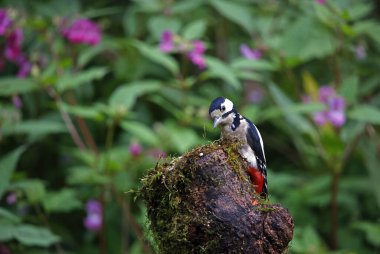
{"type": "Point", "coordinates": [204, 202]}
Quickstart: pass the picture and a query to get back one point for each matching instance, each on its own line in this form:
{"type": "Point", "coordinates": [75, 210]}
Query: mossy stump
{"type": "Point", "coordinates": [203, 202]}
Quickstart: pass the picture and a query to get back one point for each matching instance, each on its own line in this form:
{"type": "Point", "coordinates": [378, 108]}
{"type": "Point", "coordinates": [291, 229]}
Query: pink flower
{"type": "Point", "coordinates": [82, 31]}
{"type": "Point", "coordinates": [135, 149]}
{"type": "Point", "coordinates": [336, 113]}
{"type": "Point", "coordinates": [320, 1]}
{"type": "Point", "coordinates": [166, 42]}
{"type": "Point", "coordinates": [196, 54]}
{"type": "Point", "coordinates": [360, 52]}
{"type": "Point", "coordinates": [325, 93]}
{"type": "Point", "coordinates": [195, 51]}
{"type": "Point", "coordinates": [94, 218]}
{"type": "Point", "coordinates": [24, 68]}
{"type": "Point", "coordinates": [5, 21]}
{"type": "Point", "coordinates": [336, 106]}
{"type": "Point", "coordinates": [93, 221]}
{"type": "Point", "coordinates": [250, 53]}
{"type": "Point", "coordinates": [93, 206]}
{"type": "Point", "coordinates": [11, 199]}
{"type": "Point", "coordinates": [16, 100]}
{"type": "Point", "coordinates": [13, 45]}
{"type": "Point", "coordinates": [320, 118]}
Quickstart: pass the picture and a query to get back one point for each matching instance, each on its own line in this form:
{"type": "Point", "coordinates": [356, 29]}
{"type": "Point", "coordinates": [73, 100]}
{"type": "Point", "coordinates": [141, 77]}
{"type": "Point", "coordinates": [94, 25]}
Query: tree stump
{"type": "Point", "coordinates": [204, 202]}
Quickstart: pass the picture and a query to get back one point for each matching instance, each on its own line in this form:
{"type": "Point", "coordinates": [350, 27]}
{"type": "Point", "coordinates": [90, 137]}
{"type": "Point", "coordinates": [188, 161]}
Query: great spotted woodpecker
{"type": "Point", "coordinates": [236, 127]}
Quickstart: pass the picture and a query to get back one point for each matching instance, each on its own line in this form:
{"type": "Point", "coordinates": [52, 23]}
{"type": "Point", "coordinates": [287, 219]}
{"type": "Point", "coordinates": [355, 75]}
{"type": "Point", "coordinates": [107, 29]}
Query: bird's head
{"type": "Point", "coordinates": [220, 111]}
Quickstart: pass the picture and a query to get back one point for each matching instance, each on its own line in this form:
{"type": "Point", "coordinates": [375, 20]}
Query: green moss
{"type": "Point", "coordinates": [168, 218]}
{"type": "Point", "coordinates": [264, 208]}
{"type": "Point", "coordinates": [166, 186]}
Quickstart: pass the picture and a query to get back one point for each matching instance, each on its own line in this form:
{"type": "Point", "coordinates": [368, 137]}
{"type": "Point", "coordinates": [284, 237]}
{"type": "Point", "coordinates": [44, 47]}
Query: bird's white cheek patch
{"type": "Point", "coordinates": [228, 104]}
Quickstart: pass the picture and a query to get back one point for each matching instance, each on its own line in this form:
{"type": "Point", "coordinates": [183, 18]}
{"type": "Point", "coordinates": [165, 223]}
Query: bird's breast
{"type": "Point", "coordinates": [240, 134]}
{"type": "Point", "coordinates": [234, 131]}
{"type": "Point", "coordinates": [247, 153]}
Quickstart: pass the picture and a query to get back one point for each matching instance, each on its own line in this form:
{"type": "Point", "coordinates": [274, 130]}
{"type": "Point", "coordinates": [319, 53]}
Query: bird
{"type": "Point", "coordinates": [234, 126]}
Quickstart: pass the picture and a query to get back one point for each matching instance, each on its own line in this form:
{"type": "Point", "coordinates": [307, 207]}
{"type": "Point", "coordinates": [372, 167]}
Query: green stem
{"type": "Point", "coordinates": [334, 210]}
{"type": "Point", "coordinates": [67, 120]}
{"type": "Point", "coordinates": [45, 220]}
{"type": "Point", "coordinates": [335, 188]}
{"type": "Point", "coordinates": [132, 223]}
{"type": "Point", "coordinates": [110, 136]}
{"type": "Point", "coordinates": [102, 234]}
{"type": "Point", "coordinates": [108, 145]}
{"type": "Point", "coordinates": [88, 138]}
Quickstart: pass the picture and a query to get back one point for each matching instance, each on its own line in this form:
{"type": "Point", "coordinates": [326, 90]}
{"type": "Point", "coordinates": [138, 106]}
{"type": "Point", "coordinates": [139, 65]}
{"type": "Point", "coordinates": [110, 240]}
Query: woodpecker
{"type": "Point", "coordinates": [236, 127]}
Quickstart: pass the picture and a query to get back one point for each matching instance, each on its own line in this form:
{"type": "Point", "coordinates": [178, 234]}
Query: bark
{"type": "Point", "coordinates": [204, 202]}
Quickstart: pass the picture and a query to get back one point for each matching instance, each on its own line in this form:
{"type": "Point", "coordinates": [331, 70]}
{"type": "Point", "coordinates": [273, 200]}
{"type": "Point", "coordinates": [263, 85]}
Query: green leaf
{"type": "Point", "coordinates": [293, 109]}
{"type": "Point", "coordinates": [89, 112]}
{"type": "Point", "coordinates": [195, 29]}
{"type": "Point", "coordinates": [125, 181]}
{"type": "Point", "coordinates": [66, 8]}
{"type": "Point", "coordinates": [371, 230]}
{"type": "Point", "coordinates": [365, 113]}
{"type": "Point", "coordinates": [250, 75]}
{"type": "Point", "coordinates": [74, 80]}
{"type": "Point", "coordinates": [307, 39]}
{"type": "Point", "coordinates": [6, 231]}
{"type": "Point", "coordinates": [349, 88]}
{"type": "Point", "coordinates": [7, 166]}
{"type": "Point", "coordinates": [90, 52]}
{"type": "Point", "coordinates": [369, 150]}
{"type": "Point", "coordinates": [236, 12]}
{"type": "Point", "coordinates": [34, 236]}
{"type": "Point", "coordinates": [35, 127]}
{"type": "Point", "coordinates": [27, 234]}
{"type": "Point", "coordinates": [159, 24]}
{"type": "Point", "coordinates": [149, 5]}
{"type": "Point", "coordinates": [255, 65]}
{"type": "Point", "coordinates": [10, 86]}
{"type": "Point", "coordinates": [359, 10]}
{"type": "Point", "coordinates": [218, 69]}
{"type": "Point", "coordinates": [8, 216]}
{"type": "Point", "coordinates": [179, 138]}
{"type": "Point", "coordinates": [156, 56]}
{"type": "Point", "coordinates": [86, 175]}
{"type": "Point", "coordinates": [141, 131]}
{"type": "Point", "coordinates": [284, 103]}
{"type": "Point", "coordinates": [179, 7]}
{"type": "Point", "coordinates": [126, 95]}
{"type": "Point", "coordinates": [86, 156]}
{"type": "Point", "coordinates": [106, 11]}
{"type": "Point", "coordinates": [370, 28]}
{"type": "Point", "coordinates": [307, 240]}
{"type": "Point", "coordinates": [61, 201]}
{"type": "Point", "coordinates": [34, 189]}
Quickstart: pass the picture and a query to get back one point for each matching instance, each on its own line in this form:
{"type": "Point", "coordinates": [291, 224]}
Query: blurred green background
{"type": "Point", "coordinates": [93, 93]}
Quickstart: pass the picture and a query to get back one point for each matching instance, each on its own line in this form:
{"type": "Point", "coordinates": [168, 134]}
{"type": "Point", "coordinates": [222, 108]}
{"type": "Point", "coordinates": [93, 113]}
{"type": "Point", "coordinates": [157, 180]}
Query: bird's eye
{"type": "Point", "coordinates": [223, 108]}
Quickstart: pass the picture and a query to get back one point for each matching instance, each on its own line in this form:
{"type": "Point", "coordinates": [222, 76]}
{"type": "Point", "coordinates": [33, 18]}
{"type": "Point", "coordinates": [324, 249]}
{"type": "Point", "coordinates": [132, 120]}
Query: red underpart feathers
{"type": "Point", "coordinates": [257, 179]}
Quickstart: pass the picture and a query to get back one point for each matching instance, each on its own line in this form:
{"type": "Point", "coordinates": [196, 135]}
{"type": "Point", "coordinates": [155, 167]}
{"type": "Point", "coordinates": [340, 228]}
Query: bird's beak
{"type": "Point", "coordinates": [217, 121]}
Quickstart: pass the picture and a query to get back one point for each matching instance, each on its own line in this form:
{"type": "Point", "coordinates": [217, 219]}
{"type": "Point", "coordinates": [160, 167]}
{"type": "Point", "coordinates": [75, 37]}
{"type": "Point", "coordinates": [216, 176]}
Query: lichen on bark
{"type": "Point", "coordinates": [204, 202]}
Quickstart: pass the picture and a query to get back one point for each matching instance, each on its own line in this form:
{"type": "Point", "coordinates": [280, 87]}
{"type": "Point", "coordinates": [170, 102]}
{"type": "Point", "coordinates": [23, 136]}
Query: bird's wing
{"type": "Point", "coordinates": [256, 143]}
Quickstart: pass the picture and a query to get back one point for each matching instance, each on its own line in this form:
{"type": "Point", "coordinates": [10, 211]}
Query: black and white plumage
{"type": "Point", "coordinates": [236, 127]}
